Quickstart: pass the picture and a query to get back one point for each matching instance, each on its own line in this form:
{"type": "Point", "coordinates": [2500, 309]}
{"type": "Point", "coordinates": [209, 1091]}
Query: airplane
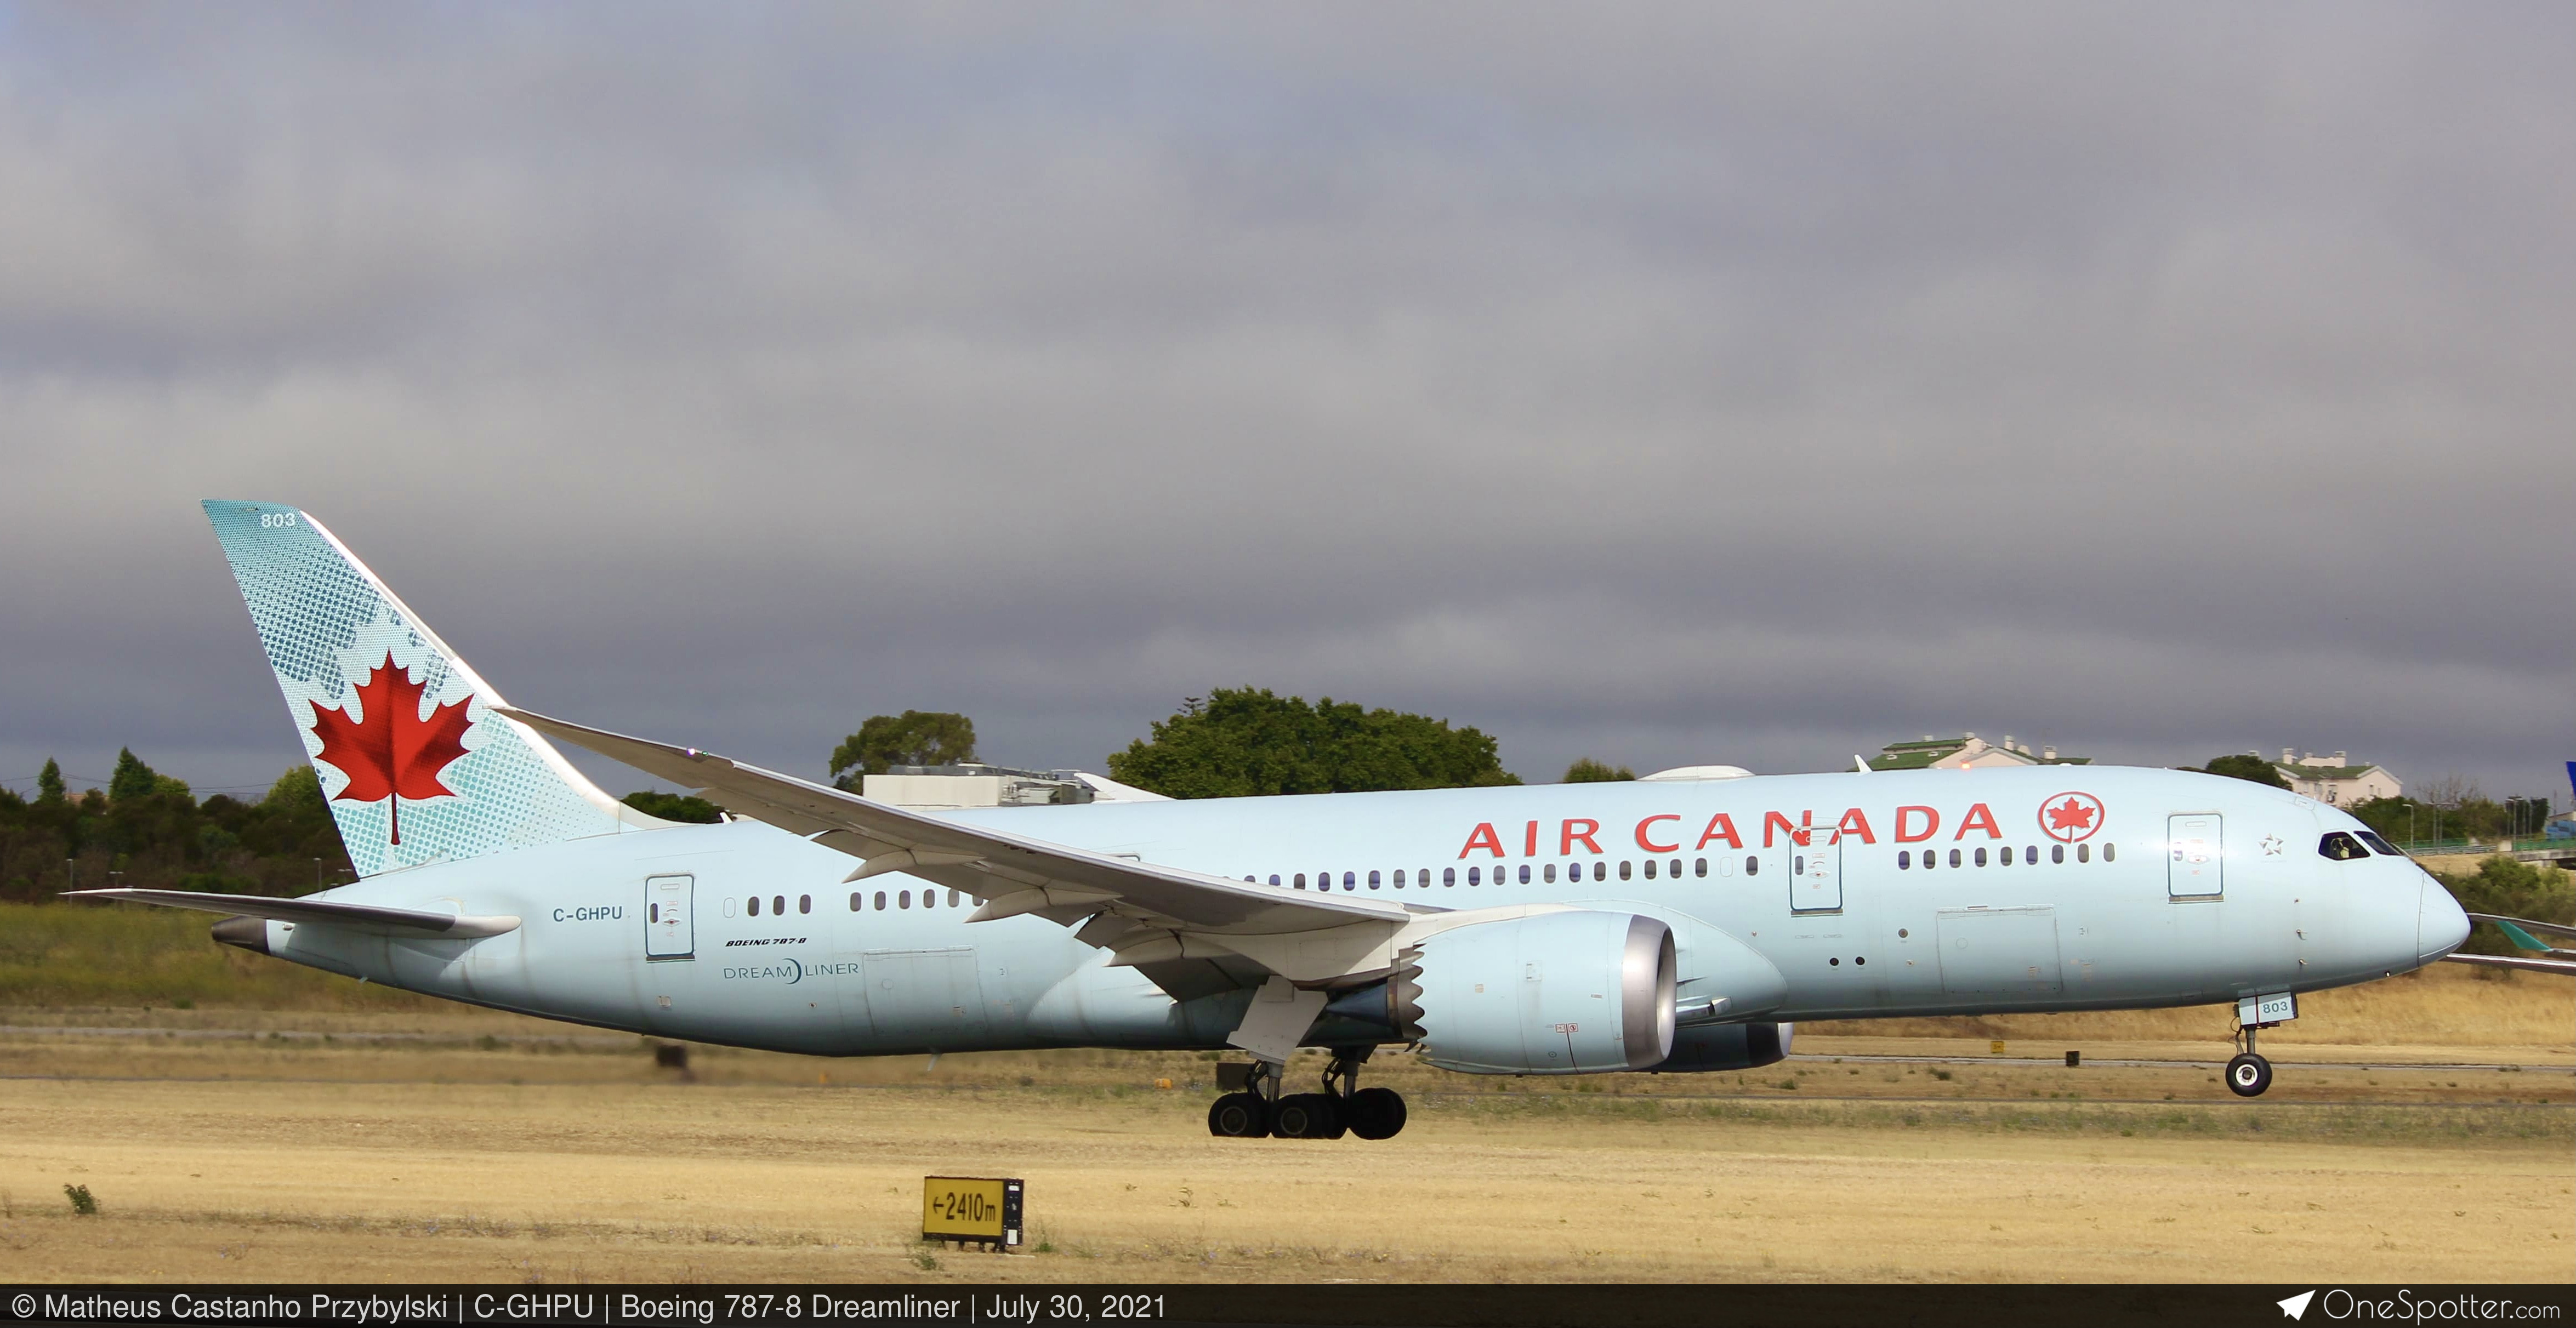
{"type": "Point", "coordinates": [1678, 924]}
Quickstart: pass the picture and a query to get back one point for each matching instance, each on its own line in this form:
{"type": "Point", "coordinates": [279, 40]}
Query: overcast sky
{"type": "Point", "coordinates": [1665, 384]}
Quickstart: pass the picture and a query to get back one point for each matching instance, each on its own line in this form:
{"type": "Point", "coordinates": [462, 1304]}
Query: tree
{"type": "Point", "coordinates": [2251, 769]}
{"type": "Point", "coordinates": [132, 780]}
{"type": "Point", "coordinates": [1589, 771]}
{"type": "Point", "coordinates": [49, 782]}
{"type": "Point", "coordinates": [1246, 742]}
{"type": "Point", "coordinates": [674, 806]}
{"type": "Point", "coordinates": [297, 793]}
{"type": "Point", "coordinates": [915, 737]}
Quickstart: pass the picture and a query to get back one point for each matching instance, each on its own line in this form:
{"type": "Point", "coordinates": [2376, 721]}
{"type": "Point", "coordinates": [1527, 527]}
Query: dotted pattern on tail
{"type": "Point", "coordinates": [325, 621]}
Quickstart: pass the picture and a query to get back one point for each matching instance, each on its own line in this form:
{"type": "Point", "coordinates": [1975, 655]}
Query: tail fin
{"type": "Point", "coordinates": [414, 764]}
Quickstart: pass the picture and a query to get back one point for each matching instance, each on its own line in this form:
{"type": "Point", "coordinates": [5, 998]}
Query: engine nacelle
{"type": "Point", "coordinates": [1703, 1047]}
{"type": "Point", "coordinates": [1558, 993]}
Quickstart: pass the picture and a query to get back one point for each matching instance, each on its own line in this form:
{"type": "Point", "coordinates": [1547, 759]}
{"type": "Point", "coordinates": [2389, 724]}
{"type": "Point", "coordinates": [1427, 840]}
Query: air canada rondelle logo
{"type": "Point", "coordinates": [2068, 817]}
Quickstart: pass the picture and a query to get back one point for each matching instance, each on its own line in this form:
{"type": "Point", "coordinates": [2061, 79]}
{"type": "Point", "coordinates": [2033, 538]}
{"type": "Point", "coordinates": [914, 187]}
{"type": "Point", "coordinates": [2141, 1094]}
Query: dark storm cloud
{"type": "Point", "coordinates": [1668, 385]}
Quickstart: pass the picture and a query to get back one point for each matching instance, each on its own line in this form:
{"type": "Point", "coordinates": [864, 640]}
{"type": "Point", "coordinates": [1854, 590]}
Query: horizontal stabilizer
{"type": "Point", "coordinates": [2566, 966]}
{"type": "Point", "coordinates": [369, 918]}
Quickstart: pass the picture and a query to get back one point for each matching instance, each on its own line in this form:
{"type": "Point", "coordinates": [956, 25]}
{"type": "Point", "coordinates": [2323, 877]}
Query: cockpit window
{"type": "Point", "coordinates": [2385, 848]}
{"type": "Point", "coordinates": [2341, 847]}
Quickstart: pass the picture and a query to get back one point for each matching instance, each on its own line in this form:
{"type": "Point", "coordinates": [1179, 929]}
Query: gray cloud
{"type": "Point", "coordinates": [1668, 385]}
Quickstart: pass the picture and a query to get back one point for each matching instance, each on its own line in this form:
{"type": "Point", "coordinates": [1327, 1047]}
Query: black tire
{"type": "Point", "coordinates": [1239, 1116]}
{"type": "Point", "coordinates": [1306, 1116]}
{"type": "Point", "coordinates": [1375, 1113]}
{"type": "Point", "coordinates": [2248, 1075]}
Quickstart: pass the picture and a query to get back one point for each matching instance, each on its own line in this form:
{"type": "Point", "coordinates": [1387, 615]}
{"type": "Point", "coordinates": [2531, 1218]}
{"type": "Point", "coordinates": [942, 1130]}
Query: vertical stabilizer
{"type": "Point", "coordinates": [414, 764]}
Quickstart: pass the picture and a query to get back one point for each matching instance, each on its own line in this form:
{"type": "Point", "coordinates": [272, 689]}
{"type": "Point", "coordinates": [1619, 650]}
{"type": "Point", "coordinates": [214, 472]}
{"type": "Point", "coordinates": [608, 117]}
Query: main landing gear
{"type": "Point", "coordinates": [2248, 1074]}
{"type": "Point", "coordinates": [1255, 1107]}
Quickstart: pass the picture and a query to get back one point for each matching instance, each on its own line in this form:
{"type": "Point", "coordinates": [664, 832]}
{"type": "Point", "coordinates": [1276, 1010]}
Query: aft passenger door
{"type": "Point", "coordinates": [669, 930]}
{"type": "Point", "coordinates": [2195, 855]}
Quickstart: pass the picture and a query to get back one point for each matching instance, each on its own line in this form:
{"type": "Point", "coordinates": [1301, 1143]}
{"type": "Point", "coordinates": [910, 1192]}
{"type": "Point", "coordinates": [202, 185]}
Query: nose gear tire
{"type": "Point", "coordinates": [2248, 1075]}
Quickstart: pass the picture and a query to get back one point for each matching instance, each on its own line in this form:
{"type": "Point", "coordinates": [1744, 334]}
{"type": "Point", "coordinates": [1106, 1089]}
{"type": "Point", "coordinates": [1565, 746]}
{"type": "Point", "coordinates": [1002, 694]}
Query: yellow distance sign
{"type": "Point", "coordinates": [970, 1208]}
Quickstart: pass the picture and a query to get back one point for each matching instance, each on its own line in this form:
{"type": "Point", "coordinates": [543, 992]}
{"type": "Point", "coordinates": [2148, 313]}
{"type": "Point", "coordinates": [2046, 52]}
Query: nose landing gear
{"type": "Point", "coordinates": [1255, 1108]}
{"type": "Point", "coordinates": [2248, 1074]}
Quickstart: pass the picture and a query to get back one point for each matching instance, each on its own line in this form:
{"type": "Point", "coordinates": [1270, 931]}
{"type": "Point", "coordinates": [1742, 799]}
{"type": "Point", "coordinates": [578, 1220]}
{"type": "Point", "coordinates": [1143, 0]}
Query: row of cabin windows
{"type": "Point", "coordinates": [859, 901]}
{"type": "Point", "coordinates": [1449, 876]}
{"type": "Point", "coordinates": [2003, 857]}
{"type": "Point", "coordinates": [1672, 868]}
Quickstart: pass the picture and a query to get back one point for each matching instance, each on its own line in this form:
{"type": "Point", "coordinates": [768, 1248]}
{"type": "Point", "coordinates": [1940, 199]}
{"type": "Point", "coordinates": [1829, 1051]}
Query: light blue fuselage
{"type": "Point", "coordinates": [2127, 915]}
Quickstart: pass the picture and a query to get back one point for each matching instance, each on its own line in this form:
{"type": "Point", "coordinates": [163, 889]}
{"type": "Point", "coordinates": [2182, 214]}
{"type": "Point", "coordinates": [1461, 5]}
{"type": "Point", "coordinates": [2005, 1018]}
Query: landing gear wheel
{"type": "Point", "coordinates": [1307, 1116]}
{"type": "Point", "coordinates": [2248, 1075]}
{"type": "Point", "coordinates": [1375, 1113]}
{"type": "Point", "coordinates": [1239, 1116]}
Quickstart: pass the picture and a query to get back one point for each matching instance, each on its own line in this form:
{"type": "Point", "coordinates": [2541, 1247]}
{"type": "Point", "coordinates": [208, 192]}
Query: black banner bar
{"type": "Point", "coordinates": [1502, 1306]}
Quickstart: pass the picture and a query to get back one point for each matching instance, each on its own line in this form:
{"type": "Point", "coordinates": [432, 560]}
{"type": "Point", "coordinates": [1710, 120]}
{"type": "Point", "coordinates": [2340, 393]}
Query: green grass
{"type": "Point", "coordinates": [125, 955]}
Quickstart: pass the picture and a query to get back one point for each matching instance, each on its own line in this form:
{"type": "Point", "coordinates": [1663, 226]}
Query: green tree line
{"type": "Point", "coordinates": [150, 830]}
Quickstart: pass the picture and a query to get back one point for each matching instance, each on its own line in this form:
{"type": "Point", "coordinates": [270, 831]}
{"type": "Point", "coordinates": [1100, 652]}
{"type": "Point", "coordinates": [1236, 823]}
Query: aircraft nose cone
{"type": "Point", "coordinates": [2440, 923]}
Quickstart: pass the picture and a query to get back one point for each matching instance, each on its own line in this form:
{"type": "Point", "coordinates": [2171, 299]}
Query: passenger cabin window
{"type": "Point", "coordinates": [778, 905]}
{"type": "Point", "coordinates": [1373, 880]}
{"type": "Point", "coordinates": [1524, 873]}
{"type": "Point", "coordinates": [1904, 859]}
{"type": "Point", "coordinates": [2110, 852]}
{"type": "Point", "coordinates": [755, 906]}
{"type": "Point", "coordinates": [854, 901]}
{"type": "Point", "coordinates": [2084, 853]}
{"type": "Point", "coordinates": [2057, 853]}
{"type": "Point", "coordinates": [2341, 847]}
{"type": "Point", "coordinates": [1449, 877]}
{"type": "Point", "coordinates": [1300, 882]}
{"type": "Point", "coordinates": [804, 903]}
{"type": "Point", "coordinates": [1752, 865]}
{"type": "Point", "coordinates": [880, 901]}
{"type": "Point", "coordinates": [1650, 870]}
{"type": "Point", "coordinates": [2030, 856]}
{"type": "Point", "coordinates": [1954, 857]}
{"type": "Point", "coordinates": [1699, 866]}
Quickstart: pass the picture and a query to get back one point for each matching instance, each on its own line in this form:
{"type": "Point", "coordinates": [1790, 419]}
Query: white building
{"type": "Point", "coordinates": [954, 787]}
{"type": "Point", "coordinates": [2335, 779]}
{"type": "Point", "coordinates": [1966, 752]}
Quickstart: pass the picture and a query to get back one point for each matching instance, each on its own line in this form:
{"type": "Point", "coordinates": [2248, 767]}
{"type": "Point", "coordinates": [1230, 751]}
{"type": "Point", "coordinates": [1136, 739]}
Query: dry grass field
{"type": "Point", "coordinates": [429, 1144]}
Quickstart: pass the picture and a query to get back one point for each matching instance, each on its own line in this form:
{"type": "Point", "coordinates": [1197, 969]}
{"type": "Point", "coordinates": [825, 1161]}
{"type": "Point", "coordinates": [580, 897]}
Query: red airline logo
{"type": "Point", "coordinates": [2068, 817]}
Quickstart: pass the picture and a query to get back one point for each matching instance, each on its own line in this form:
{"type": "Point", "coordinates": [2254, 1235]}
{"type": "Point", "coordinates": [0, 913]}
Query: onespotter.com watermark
{"type": "Point", "coordinates": [2404, 1306]}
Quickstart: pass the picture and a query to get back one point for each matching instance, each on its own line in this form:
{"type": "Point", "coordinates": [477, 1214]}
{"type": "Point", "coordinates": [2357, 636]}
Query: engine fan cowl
{"type": "Point", "coordinates": [1577, 992]}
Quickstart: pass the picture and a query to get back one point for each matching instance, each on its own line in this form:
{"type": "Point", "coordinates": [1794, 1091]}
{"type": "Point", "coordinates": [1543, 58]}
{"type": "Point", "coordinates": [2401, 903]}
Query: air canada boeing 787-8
{"type": "Point", "coordinates": [1671, 924]}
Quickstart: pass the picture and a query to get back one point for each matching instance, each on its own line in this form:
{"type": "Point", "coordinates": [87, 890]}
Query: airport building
{"type": "Point", "coordinates": [954, 787]}
{"type": "Point", "coordinates": [1967, 752]}
{"type": "Point", "coordinates": [2337, 780]}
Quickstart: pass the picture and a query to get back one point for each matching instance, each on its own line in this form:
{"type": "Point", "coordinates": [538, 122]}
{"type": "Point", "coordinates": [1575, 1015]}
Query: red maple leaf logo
{"type": "Point", "coordinates": [393, 753]}
{"type": "Point", "coordinates": [2071, 814]}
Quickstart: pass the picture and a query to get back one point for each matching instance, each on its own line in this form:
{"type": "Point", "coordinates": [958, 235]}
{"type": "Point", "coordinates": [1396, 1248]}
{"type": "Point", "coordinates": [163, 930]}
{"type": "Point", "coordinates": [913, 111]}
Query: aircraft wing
{"type": "Point", "coordinates": [403, 922]}
{"type": "Point", "coordinates": [2519, 931]}
{"type": "Point", "coordinates": [2567, 966]}
{"type": "Point", "coordinates": [1157, 919]}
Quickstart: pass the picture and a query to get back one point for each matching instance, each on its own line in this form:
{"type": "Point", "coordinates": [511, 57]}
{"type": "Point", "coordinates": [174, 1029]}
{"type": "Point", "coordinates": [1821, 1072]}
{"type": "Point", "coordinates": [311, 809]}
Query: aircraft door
{"type": "Point", "coordinates": [2195, 856]}
{"type": "Point", "coordinates": [1816, 873]}
{"type": "Point", "coordinates": [669, 929]}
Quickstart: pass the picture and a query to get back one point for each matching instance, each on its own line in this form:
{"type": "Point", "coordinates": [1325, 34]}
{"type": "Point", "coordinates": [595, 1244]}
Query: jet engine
{"type": "Point", "coordinates": [1558, 993]}
{"type": "Point", "coordinates": [1725, 1047]}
